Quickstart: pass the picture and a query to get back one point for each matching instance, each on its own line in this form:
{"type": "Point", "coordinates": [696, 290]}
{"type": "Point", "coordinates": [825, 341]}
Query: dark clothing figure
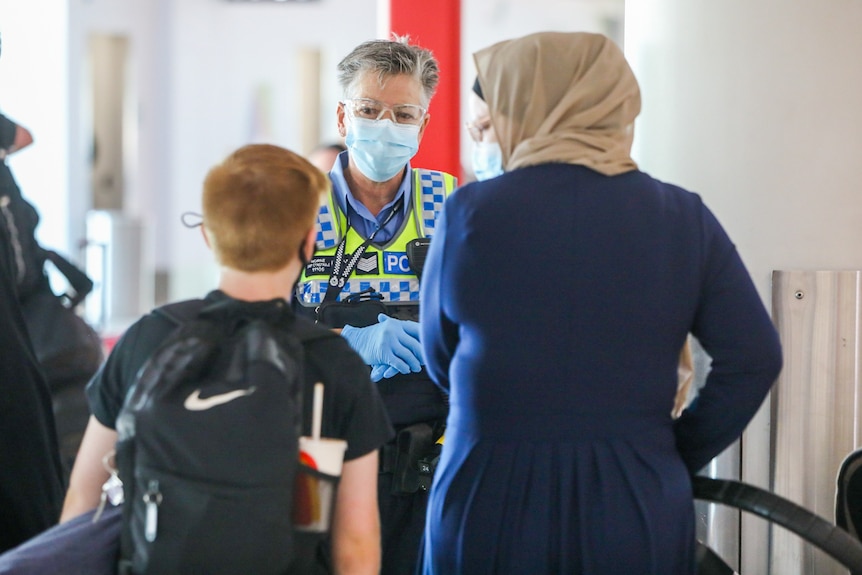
{"type": "Point", "coordinates": [31, 486]}
{"type": "Point", "coordinates": [556, 299]}
{"type": "Point", "coordinates": [28, 259]}
{"type": "Point", "coordinates": [68, 350]}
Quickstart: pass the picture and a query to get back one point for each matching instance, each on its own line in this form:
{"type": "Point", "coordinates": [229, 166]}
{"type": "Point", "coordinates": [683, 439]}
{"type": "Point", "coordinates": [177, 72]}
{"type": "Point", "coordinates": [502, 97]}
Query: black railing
{"type": "Point", "coordinates": [831, 539]}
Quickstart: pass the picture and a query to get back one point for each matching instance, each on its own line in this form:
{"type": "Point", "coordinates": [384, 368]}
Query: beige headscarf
{"type": "Point", "coordinates": [561, 97]}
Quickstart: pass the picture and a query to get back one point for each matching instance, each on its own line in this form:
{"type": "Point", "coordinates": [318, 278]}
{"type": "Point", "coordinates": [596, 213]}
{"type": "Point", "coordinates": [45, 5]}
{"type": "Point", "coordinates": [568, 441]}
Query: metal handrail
{"type": "Point", "coordinates": [836, 542]}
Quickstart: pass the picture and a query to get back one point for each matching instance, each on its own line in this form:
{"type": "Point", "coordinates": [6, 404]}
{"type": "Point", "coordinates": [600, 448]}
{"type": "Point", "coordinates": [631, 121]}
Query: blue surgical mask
{"type": "Point", "coordinates": [381, 148]}
{"type": "Point", "coordinates": [487, 160]}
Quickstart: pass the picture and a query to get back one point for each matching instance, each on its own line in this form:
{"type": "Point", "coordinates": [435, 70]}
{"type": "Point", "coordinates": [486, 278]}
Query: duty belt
{"type": "Point", "coordinates": [412, 458]}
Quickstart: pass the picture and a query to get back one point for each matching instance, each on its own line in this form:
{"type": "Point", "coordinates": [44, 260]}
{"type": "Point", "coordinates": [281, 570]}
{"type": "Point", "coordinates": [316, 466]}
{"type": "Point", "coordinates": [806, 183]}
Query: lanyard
{"type": "Point", "coordinates": [343, 267]}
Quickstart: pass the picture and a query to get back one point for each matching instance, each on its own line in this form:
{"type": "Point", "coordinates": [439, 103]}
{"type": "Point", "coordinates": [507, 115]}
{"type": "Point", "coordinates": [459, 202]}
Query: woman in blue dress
{"type": "Point", "coordinates": [556, 299]}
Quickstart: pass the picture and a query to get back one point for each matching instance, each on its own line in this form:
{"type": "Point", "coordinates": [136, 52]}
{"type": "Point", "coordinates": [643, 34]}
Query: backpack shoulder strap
{"type": "Point", "coordinates": [77, 278]}
{"type": "Point", "coordinates": [182, 312]}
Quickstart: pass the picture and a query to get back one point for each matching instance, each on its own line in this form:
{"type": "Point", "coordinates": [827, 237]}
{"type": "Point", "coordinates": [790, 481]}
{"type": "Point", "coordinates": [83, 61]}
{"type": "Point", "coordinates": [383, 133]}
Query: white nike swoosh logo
{"type": "Point", "coordinates": [194, 402]}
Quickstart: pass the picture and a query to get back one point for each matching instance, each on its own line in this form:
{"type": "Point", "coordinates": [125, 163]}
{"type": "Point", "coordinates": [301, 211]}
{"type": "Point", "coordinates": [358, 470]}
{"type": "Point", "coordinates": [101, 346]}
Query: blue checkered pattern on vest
{"type": "Point", "coordinates": [433, 195]}
{"type": "Point", "coordinates": [326, 236]}
{"type": "Point", "coordinates": [312, 292]}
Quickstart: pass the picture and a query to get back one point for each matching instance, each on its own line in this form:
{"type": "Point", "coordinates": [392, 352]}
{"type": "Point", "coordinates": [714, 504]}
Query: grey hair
{"type": "Point", "coordinates": [388, 58]}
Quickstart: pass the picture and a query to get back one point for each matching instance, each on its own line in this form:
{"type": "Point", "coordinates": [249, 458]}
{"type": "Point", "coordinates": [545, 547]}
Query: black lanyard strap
{"type": "Point", "coordinates": [342, 267]}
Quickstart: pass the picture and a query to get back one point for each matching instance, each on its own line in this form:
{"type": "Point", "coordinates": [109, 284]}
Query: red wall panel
{"type": "Point", "coordinates": [436, 25]}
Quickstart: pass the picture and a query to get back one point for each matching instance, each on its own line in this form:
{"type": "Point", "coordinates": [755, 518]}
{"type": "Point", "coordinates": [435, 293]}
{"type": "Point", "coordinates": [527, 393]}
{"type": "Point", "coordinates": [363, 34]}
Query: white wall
{"type": "Point", "coordinates": [755, 105]}
{"type": "Point", "coordinates": [224, 56]}
{"type": "Point", "coordinates": [33, 81]}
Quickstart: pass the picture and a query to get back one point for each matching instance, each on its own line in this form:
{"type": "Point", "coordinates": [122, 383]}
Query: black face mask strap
{"type": "Point", "coordinates": [302, 257]}
{"type": "Point", "coordinates": [304, 261]}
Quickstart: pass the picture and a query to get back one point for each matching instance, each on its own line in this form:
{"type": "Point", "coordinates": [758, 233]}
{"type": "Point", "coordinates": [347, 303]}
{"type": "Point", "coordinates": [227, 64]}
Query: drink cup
{"type": "Point", "coordinates": [316, 482]}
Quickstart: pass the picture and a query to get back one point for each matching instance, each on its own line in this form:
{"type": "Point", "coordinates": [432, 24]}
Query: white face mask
{"type": "Point", "coordinates": [381, 148]}
{"type": "Point", "coordinates": [487, 160]}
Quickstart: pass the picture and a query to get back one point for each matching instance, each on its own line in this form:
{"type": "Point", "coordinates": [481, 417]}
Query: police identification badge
{"type": "Point", "coordinates": [396, 263]}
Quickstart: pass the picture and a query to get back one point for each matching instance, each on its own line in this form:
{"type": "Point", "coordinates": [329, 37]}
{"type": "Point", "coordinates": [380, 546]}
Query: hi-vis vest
{"type": "Point", "coordinates": [386, 268]}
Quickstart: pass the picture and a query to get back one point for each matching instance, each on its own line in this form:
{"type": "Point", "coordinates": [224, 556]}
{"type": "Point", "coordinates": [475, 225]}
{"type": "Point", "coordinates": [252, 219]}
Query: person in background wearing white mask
{"type": "Point", "coordinates": [364, 276]}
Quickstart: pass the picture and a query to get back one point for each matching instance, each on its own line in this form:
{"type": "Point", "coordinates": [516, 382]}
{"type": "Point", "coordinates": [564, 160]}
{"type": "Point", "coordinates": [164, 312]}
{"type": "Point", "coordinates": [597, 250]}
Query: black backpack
{"type": "Point", "coordinates": [208, 444]}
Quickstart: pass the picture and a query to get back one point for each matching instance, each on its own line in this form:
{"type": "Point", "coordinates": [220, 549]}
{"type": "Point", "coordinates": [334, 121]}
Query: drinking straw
{"type": "Point", "coordinates": [317, 413]}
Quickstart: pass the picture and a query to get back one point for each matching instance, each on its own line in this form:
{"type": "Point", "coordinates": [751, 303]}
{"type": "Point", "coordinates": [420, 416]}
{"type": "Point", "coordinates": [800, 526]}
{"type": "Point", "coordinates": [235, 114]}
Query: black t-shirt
{"type": "Point", "coordinates": [352, 408]}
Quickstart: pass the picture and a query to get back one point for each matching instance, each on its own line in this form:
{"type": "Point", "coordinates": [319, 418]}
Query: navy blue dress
{"type": "Point", "coordinates": [555, 304]}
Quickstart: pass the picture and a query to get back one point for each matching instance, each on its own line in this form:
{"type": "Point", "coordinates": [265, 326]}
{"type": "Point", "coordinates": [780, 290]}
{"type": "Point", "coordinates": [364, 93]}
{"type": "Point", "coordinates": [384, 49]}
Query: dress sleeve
{"type": "Point", "coordinates": [735, 329]}
{"type": "Point", "coordinates": [439, 333]}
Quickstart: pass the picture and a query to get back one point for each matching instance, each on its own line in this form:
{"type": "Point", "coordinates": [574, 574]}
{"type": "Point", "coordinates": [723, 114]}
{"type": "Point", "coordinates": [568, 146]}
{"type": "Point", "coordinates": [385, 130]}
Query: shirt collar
{"type": "Point", "coordinates": [353, 207]}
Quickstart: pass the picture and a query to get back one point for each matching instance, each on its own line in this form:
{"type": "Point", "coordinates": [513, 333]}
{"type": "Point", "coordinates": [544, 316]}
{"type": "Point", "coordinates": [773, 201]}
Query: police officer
{"type": "Point", "coordinates": [364, 276]}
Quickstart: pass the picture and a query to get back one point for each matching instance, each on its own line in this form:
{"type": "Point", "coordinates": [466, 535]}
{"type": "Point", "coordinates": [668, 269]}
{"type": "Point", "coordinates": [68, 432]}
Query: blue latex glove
{"type": "Point", "coordinates": [382, 371]}
{"type": "Point", "coordinates": [391, 343]}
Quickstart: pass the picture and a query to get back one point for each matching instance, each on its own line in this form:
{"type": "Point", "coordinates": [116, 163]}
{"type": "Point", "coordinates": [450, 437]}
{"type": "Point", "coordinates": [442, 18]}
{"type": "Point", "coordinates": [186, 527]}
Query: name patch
{"type": "Point", "coordinates": [319, 266]}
